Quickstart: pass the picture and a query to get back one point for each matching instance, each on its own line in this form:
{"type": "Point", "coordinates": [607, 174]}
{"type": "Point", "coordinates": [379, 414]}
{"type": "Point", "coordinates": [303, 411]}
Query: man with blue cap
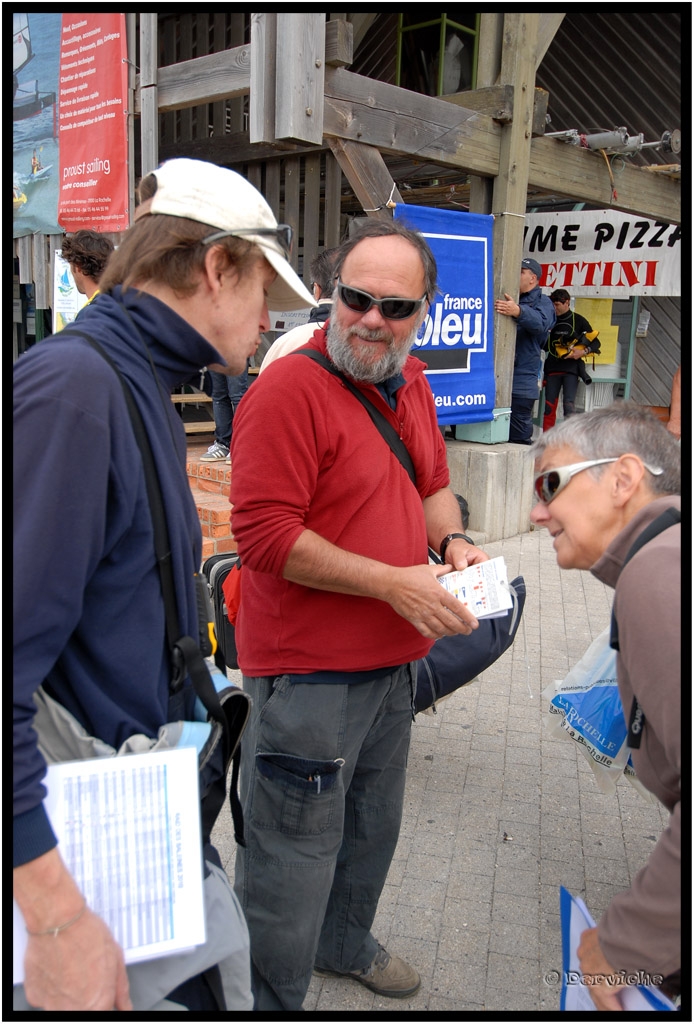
{"type": "Point", "coordinates": [535, 317]}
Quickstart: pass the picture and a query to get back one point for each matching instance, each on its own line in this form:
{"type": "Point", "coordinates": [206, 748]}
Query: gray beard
{"type": "Point", "coordinates": [346, 360]}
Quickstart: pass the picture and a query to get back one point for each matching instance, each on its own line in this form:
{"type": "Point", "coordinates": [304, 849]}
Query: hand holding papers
{"type": "Point", "coordinates": [128, 829]}
{"type": "Point", "coordinates": [575, 993]}
{"type": "Point", "coordinates": [483, 588]}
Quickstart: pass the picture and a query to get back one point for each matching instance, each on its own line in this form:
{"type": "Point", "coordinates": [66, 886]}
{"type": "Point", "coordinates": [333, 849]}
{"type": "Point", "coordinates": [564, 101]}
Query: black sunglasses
{"type": "Point", "coordinates": [392, 309]}
{"type": "Point", "coordinates": [283, 233]}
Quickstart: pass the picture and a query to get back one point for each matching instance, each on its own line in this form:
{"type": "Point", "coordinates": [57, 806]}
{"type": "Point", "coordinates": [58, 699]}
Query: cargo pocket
{"type": "Point", "coordinates": [297, 795]}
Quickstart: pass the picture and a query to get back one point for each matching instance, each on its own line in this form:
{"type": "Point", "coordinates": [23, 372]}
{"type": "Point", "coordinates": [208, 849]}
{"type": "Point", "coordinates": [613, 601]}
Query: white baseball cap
{"type": "Point", "coordinates": [218, 196]}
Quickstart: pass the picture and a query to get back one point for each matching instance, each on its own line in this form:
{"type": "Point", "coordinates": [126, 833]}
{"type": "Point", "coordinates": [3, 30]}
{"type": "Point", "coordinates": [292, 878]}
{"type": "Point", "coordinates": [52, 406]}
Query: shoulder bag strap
{"type": "Point", "coordinates": [670, 517]}
{"type": "Point", "coordinates": [161, 538]}
{"type": "Point", "coordinates": [185, 651]}
{"type": "Point", "coordinates": [385, 429]}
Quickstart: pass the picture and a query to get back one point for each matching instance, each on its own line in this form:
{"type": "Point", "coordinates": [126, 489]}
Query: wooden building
{"type": "Point", "coordinates": [334, 116]}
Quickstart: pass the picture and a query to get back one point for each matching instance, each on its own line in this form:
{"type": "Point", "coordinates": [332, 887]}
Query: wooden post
{"type": "Point", "coordinates": [261, 121]}
{"type": "Point", "coordinates": [149, 115]}
{"type": "Point", "coordinates": [333, 195]}
{"type": "Point", "coordinates": [235, 106]}
{"type": "Point", "coordinates": [292, 200]}
{"type": "Point", "coordinates": [300, 77]}
{"type": "Point", "coordinates": [131, 34]}
{"type": "Point", "coordinates": [511, 187]}
{"type": "Point", "coordinates": [488, 69]}
{"type": "Point", "coordinates": [311, 213]}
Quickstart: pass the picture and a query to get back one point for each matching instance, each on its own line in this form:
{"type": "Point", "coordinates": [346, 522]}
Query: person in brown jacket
{"type": "Point", "coordinates": [601, 479]}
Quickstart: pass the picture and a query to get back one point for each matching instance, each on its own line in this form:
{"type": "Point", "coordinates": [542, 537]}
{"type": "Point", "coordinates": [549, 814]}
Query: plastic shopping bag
{"type": "Point", "coordinates": [586, 707]}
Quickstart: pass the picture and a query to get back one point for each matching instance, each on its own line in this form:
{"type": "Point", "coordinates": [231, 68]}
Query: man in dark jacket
{"type": "Point", "coordinates": [89, 620]}
{"type": "Point", "coordinates": [535, 317]}
{"type": "Point", "coordinates": [571, 338]}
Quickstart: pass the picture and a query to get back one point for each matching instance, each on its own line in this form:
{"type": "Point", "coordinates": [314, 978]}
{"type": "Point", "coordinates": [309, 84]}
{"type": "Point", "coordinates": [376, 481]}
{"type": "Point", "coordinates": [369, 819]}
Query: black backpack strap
{"type": "Point", "coordinates": [187, 658]}
{"type": "Point", "coordinates": [385, 429]}
{"type": "Point", "coordinates": [670, 517]}
{"type": "Point", "coordinates": [161, 538]}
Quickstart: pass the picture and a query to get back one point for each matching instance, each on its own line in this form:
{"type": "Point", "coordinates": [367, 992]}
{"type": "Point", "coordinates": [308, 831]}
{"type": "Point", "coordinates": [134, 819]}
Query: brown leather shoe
{"type": "Point", "coordinates": [386, 975]}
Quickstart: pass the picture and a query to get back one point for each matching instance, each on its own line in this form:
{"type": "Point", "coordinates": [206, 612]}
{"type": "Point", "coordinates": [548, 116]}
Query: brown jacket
{"type": "Point", "coordinates": [640, 930]}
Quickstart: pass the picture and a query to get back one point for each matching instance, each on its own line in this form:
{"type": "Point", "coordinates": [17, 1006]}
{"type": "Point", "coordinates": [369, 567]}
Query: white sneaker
{"type": "Point", "coordinates": [215, 453]}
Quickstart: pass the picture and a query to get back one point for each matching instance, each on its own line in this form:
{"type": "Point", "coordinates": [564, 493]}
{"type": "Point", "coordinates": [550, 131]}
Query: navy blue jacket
{"type": "Point", "coordinates": [88, 609]}
{"type": "Point", "coordinates": [534, 323]}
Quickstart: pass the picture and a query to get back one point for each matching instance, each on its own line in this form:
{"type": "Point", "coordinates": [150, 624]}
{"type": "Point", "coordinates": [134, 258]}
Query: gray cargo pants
{"type": "Point", "coordinates": [322, 784]}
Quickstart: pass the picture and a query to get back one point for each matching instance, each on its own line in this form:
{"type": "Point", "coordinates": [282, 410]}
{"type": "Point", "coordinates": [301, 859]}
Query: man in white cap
{"type": "Point", "coordinates": [188, 287]}
{"type": "Point", "coordinates": [534, 315]}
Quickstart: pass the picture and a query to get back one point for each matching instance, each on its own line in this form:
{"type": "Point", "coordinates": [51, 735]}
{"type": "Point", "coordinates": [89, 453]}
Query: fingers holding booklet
{"type": "Point", "coordinates": [483, 588]}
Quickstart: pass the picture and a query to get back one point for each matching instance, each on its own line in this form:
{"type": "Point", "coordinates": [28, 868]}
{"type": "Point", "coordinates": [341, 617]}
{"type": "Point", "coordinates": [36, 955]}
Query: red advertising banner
{"type": "Point", "coordinates": [92, 123]}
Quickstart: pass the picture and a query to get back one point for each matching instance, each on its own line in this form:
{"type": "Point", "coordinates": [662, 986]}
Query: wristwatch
{"type": "Point", "coordinates": [447, 540]}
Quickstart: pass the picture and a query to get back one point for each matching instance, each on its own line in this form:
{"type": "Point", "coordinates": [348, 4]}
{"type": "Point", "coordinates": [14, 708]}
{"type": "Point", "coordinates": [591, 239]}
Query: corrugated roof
{"type": "Point", "coordinates": [608, 70]}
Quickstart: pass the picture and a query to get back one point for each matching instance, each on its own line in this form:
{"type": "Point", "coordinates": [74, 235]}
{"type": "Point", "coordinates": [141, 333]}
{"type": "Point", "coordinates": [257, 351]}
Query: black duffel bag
{"type": "Point", "coordinates": [454, 661]}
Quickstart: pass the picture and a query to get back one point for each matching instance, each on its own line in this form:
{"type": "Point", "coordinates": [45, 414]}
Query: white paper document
{"type": "Point", "coordinates": [483, 588]}
{"type": "Point", "coordinates": [575, 995]}
{"type": "Point", "coordinates": [128, 829]}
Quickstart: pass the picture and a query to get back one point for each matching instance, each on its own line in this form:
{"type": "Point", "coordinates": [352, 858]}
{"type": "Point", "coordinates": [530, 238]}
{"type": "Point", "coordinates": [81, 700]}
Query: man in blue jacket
{"type": "Point", "coordinates": [534, 315]}
{"type": "Point", "coordinates": [188, 286]}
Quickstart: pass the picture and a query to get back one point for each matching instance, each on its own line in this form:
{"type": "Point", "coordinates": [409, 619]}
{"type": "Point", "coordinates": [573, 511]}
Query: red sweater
{"type": "Point", "coordinates": [306, 455]}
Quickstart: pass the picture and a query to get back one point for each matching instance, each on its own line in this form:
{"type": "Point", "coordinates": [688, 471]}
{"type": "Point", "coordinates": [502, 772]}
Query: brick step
{"type": "Point", "coordinates": [209, 484]}
{"type": "Point", "coordinates": [213, 477]}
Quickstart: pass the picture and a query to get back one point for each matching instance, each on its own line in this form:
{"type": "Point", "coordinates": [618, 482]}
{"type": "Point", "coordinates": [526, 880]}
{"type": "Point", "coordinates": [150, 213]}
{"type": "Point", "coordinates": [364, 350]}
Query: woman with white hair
{"type": "Point", "coordinates": [604, 481]}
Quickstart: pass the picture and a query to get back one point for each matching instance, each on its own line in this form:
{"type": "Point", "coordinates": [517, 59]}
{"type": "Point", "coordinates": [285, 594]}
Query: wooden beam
{"type": "Point", "coordinates": [362, 23]}
{"type": "Point", "coordinates": [566, 170]}
{"type": "Point", "coordinates": [216, 76]}
{"type": "Point", "coordinates": [339, 44]}
{"type": "Point", "coordinates": [395, 120]}
{"type": "Point", "coordinates": [430, 129]}
{"type": "Point", "coordinates": [234, 148]}
{"type": "Point", "coordinates": [547, 29]}
{"type": "Point", "coordinates": [300, 74]}
{"type": "Point", "coordinates": [401, 122]}
{"type": "Point", "coordinates": [497, 102]}
{"type": "Point", "coordinates": [367, 174]}
{"type": "Point", "coordinates": [494, 100]}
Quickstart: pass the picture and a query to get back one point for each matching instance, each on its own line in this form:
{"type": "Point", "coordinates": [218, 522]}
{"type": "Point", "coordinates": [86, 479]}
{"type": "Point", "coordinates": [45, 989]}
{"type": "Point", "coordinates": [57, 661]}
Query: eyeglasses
{"type": "Point", "coordinates": [283, 233]}
{"type": "Point", "coordinates": [392, 309]}
{"type": "Point", "coordinates": [550, 483]}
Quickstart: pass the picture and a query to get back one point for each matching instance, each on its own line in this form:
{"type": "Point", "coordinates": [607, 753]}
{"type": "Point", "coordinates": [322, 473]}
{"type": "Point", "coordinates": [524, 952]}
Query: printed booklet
{"type": "Point", "coordinates": [483, 588]}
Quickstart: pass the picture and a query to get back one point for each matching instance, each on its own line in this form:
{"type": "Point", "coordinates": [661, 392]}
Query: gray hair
{"type": "Point", "coordinates": [369, 228]}
{"type": "Point", "coordinates": [618, 429]}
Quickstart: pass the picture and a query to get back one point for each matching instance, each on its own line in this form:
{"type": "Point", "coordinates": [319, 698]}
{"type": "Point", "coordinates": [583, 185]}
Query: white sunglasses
{"type": "Point", "coordinates": [548, 484]}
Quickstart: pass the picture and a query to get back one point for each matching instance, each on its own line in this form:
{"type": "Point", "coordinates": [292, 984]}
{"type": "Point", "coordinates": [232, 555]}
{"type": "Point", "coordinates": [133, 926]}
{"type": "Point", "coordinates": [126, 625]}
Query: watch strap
{"type": "Point", "coordinates": [447, 539]}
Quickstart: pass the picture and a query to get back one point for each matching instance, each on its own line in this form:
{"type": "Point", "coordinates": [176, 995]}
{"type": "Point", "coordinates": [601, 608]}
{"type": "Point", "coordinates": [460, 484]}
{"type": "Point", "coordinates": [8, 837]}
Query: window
{"type": "Point", "coordinates": [437, 57]}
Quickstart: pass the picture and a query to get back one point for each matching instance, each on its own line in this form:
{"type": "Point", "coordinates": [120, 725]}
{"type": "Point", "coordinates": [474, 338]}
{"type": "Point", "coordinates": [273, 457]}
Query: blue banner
{"type": "Point", "coordinates": [456, 340]}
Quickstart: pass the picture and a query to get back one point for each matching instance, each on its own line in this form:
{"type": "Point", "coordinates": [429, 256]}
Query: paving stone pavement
{"type": "Point", "coordinates": [497, 816]}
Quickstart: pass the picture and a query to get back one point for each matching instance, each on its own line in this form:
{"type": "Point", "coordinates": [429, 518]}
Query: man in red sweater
{"type": "Point", "coordinates": [338, 601]}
